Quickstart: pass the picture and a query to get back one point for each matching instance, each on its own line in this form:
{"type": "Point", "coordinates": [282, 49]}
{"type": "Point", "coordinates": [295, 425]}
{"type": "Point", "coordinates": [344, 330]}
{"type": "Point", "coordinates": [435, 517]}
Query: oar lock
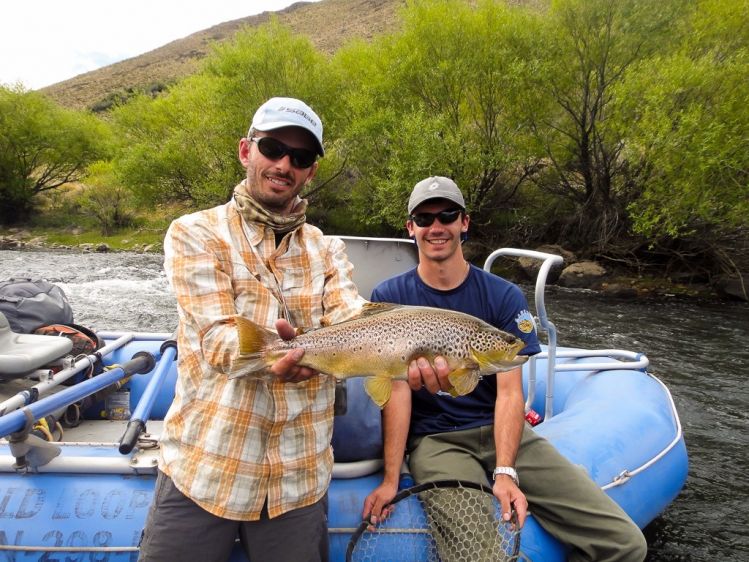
{"type": "Point", "coordinates": [30, 451]}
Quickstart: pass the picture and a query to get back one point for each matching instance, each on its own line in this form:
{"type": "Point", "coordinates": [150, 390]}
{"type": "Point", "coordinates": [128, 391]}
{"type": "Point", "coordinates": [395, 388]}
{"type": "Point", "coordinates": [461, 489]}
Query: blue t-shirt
{"type": "Point", "coordinates": [483, 295]}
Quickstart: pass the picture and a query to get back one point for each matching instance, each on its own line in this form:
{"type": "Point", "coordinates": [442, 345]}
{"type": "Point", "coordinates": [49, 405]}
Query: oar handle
{"type": "Point", "coordinates": [130, 437]}
{"type": "Point", "coordinates": [141, 363]}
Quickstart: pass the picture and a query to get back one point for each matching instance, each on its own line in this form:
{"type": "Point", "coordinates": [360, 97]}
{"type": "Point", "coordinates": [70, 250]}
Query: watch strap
{"type": "Point", "coordinates": [509, 471]}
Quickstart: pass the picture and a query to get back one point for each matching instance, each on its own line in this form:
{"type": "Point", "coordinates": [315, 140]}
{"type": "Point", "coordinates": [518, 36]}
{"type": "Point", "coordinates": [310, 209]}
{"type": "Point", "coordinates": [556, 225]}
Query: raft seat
{"type": "Point", "coordinates": [22, 354]}
{"type": "Point", "coordinates": [357, 434]}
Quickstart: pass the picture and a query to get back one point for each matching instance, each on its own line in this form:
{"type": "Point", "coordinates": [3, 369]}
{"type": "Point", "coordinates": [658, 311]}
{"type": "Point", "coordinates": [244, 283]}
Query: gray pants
{"type": "Point", "coordinates": [178, 529]}
{"type": "Point", "coordinates": [561, 496]}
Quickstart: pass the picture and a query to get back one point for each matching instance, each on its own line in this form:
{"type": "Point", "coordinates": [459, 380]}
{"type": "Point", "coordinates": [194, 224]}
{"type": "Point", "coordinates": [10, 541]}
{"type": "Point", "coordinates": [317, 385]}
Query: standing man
{"type": "Point", "coordinates": [250, 458]}
{"type": "Point", "coordinates": [483, 436]}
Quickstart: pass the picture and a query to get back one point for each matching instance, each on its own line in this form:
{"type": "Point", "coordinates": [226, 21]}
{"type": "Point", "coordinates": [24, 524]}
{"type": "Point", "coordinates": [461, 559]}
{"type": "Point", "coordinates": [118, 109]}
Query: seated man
{"type": "Point", "coordinates": [483, 435]}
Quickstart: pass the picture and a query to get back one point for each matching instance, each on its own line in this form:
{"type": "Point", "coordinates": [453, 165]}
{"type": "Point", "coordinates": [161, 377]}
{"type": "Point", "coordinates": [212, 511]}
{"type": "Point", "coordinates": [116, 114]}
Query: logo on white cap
{"type": "Point", "coordinates": [288, 112]}
{"type": "Point", "coordinates": [433, 186]}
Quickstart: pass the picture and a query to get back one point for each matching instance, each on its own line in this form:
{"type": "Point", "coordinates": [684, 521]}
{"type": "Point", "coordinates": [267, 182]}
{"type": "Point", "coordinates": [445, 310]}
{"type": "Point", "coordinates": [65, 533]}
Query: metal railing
{"type": "Point", "coordinates": [617, 358]}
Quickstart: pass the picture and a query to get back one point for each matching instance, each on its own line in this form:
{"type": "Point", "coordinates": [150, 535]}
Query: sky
{"type": "Point", "coordinates": [43, 42]}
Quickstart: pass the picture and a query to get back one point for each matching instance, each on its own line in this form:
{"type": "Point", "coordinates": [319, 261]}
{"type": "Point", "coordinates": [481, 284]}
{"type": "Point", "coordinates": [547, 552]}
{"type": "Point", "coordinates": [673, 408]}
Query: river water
{"type": "Point", "coordinates": [699, 350]}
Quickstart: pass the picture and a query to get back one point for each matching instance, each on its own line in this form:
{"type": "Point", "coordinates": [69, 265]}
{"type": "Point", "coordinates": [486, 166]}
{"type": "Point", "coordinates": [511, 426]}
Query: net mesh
{"type": "Point", "coordinates": [449, 524]}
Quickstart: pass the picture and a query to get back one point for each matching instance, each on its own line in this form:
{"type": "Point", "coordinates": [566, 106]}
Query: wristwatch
{"type": "Point", "coordinates": [509, 471]}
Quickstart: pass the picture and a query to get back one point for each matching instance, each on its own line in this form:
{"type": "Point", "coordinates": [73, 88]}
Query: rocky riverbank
{"type": "Point", "coordinates": [24, 240]}
{"type": "Point", "coordinates": [571, 273]}
{"type": "Point", "coordinates": [619, 282]}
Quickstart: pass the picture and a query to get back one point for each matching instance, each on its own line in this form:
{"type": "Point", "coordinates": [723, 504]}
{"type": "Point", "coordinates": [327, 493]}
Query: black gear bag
{"type": "Point", "coordinates": [31, 303]}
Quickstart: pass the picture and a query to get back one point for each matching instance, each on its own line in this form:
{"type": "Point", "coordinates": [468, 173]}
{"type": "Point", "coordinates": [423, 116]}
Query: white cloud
{"type": "Point", "coordinates": [46, 41]}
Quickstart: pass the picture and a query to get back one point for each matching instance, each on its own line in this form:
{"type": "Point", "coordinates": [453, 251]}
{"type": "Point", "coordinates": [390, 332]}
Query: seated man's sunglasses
{"type": "Point", "coordinates": [274, 149]}
{"type": "Point", "coordinates": [445, 217]}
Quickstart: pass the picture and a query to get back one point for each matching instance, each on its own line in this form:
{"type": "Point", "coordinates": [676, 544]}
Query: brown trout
{"type": "Point", "coordinates": [381, 342]}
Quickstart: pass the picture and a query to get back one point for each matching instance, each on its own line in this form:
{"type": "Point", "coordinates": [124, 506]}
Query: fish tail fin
{"type": "Point", "coordinates": [252, 339]}
{"type": "Point", "coordinates": [246, 366]}
{"type": "Point", "coordinates": [463, 381]}
{"type": "Point", "coordinates": [379, 388]}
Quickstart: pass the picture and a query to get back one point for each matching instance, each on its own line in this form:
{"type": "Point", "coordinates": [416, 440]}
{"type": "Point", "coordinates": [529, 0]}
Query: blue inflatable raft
{"type": "Point", "coordinates": [86, 497]}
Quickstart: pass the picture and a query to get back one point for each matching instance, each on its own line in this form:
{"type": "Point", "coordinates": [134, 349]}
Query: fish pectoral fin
{"type": "Point", "coordinates": [463, 380]}
{"type": "Point", "coordinates": [378, 388]}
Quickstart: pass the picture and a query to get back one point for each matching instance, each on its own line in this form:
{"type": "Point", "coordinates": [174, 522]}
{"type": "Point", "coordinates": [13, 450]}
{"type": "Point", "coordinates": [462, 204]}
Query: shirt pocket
{"type": "Point", "coordinates": [302, 290]}
{"type": "Point", "coordinates": [295, 279]}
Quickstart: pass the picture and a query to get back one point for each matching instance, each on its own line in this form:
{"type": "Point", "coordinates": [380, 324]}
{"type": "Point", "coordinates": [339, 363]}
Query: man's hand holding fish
{"type": "Point", "coordinates": [287, 367]}
{"type": "Point", "coordinates": [435, 378]}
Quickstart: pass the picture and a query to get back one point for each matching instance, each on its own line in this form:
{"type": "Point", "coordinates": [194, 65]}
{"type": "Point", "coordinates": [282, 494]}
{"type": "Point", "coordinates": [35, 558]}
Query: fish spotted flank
{"type": "Point", "coordinates": [381, 342]}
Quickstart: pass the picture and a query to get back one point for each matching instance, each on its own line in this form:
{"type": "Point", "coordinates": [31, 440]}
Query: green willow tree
{"type": "Point", "coordinates": [108, 204]}
{"type": "Point", "coordinates": [438, 98]}
{"type": "Point", "coordinates": [183, 145]}
{"type": "Point", "coordinates": [42, 147]}
{"type": "Point", "coordinates": [601, 124]}
{"type": "Point", "coordinates": [586, 48]}
{"type": "Point", "coordinates": [689, 116]}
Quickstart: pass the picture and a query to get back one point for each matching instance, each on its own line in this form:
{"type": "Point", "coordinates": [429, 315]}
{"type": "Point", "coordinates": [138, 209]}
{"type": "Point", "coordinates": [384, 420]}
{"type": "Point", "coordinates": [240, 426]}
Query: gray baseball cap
{"type": "Point", "coordinates": [435, 187]}
{"type": "Point", "coordinates": [288, 112]}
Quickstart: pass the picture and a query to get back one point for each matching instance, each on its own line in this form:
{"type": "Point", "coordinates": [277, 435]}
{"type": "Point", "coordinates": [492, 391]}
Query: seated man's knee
{"type": "Point", "coordinates": [621, 543]}
{"type": "Point", "coordinates": [634, 546]}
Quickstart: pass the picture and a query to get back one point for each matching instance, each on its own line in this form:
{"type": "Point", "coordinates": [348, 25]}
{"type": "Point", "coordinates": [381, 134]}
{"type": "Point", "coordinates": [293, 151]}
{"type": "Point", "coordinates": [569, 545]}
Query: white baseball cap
{"type": "Point", "coordinates": [288, 112]}
{"type": "Point", "coordinates": [435, 187]}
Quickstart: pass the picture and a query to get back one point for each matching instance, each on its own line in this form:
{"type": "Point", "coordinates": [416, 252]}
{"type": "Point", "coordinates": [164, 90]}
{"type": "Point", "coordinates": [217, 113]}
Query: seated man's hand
{"type": "Point", "coordinates": [374, 502]}
{"type": "Point", "coordinates": [422, 374]}
{"type": "Point", "coordinates": [510, 496]}
{"type": "Point", "coordinates": [287, 368]}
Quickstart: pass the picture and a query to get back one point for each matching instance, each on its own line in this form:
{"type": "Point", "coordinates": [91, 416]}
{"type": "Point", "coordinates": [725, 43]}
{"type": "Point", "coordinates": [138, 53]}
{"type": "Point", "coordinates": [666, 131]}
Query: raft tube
{"type": "Point", "coordinates": [90, 502]}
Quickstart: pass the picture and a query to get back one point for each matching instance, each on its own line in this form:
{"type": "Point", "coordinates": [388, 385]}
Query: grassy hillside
{"type": "Point", "coordinates": [328, 23]}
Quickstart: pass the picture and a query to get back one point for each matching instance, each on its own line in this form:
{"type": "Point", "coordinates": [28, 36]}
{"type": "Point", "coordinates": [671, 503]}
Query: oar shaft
{"type": "Point", "coordinates": [142, 412]}
{"type": "Point", "coordinates": [143, 409]}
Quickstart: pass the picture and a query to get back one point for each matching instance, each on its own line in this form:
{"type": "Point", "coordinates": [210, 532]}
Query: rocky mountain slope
{"type": "Point", "coordinates": [328, 23]}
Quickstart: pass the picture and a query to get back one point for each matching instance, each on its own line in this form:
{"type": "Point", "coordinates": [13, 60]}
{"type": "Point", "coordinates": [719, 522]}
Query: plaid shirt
{"type": "Point", "coordinates": [229, 444]}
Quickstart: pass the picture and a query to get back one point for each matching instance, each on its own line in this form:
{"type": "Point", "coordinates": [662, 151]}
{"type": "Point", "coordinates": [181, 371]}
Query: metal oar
{"type": "Point", "coordinates": [25, 397]}
{"type": "Point", "coordinates": [142, 412]}
{"type": "Point", "coordinates": [142, 362]}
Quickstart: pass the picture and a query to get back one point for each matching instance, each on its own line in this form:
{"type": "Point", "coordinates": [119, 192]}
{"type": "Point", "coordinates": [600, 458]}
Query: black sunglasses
{"type": "Point", "coordinates": [445, 217]}
{"type": "Point", "coordinates": [275, 150]}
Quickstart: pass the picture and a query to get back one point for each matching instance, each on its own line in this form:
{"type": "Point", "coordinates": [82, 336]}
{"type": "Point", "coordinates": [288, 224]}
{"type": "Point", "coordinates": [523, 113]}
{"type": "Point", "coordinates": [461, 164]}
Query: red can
{"type": "Point", "coordinates": [533, 417]}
